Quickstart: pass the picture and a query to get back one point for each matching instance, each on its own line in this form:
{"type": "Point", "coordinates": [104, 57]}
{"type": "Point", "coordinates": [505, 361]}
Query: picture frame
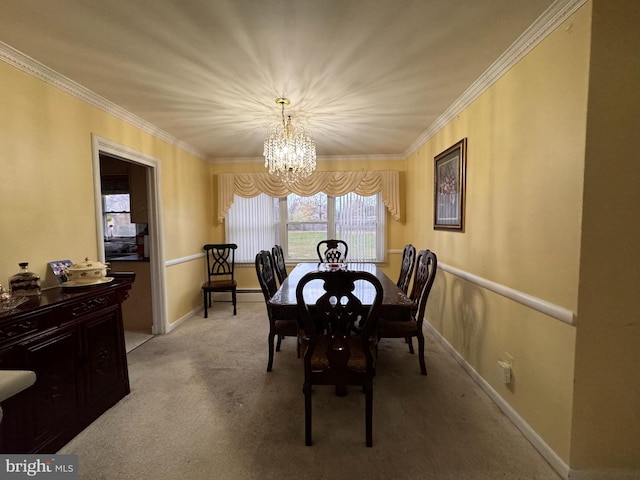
{"type": "Point", "coordinates": [449, 185]}
{"type": "Point", "coordinates": [58, 268]}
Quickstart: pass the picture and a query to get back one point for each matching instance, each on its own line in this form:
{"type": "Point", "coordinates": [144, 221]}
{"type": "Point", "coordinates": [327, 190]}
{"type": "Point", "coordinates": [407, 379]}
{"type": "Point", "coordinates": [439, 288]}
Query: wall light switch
{"type": "Point", "coordinates": [504, 371]}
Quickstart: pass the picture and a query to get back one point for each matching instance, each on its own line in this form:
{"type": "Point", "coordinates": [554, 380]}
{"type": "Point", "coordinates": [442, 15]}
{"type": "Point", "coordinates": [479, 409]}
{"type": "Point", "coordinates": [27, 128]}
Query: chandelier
{"type": "Point", "coordinates": [289, 151]}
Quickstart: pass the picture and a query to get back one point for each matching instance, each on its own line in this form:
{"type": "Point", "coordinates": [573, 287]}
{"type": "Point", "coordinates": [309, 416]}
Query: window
{"type": "Point", "coordinates": [117, 217]}
{"type": "Point", "coordinates": [304, 223]}
{"type": "Point", "coordinates": [299, 223]}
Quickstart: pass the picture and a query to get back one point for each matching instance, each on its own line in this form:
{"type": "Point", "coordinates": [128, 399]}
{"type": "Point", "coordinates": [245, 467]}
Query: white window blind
{"type": "Point", "coordinates": [357, 220]}
{"type": "Point", "coordinates": [251, 224]}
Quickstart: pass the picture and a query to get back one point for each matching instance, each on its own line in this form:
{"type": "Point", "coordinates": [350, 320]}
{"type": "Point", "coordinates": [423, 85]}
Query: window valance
{"type": "Point", "coordinates": [332, 183]}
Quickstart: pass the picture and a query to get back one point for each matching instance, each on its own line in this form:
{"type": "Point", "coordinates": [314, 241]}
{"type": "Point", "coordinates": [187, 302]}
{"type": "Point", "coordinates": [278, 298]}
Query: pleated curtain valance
{"type": "Point", "coordinates": [332, 183]}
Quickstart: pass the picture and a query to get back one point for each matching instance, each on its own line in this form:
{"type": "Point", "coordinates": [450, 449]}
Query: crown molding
{"type": "Point", "coordinates": [557, 13]}
{"type": "Point", "coordinates": [320, 158]}
{"type": "Point", "coordinates": [28, 65]}
{"type": "Point", "coordinates": [368, 157]}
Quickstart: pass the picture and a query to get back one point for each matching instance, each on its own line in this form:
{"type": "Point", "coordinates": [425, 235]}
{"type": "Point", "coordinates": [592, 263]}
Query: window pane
{"type": "Point", "coordinates": [117, 203]}
{"type": "Point", "coordinates": [119, 225]}
{"type": "Point", "coordinates": [307, 209]}
{"type": "Point", "coordinates": [117, 220]}
{"type": "Point", "coordinates": [302, 239]}
{"type": "Point", "coordinates": [306, 225]}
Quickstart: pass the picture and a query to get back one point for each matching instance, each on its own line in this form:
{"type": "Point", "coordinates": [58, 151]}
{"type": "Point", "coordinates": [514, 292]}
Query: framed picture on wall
{"type": "Point", "coordinates": [449, 174]}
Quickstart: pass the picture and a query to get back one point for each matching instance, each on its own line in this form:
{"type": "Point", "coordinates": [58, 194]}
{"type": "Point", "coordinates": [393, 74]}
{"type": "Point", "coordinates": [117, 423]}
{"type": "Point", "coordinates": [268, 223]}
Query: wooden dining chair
{"type": "Point", "coordinates": [425, 274]}
{"type": "Point", "coordinates": [332, 251]}
{"type": "Point", "coordinates": [333, 353]}
{"type": "Point", "coordinates": [278, 326]}
{"type": "Point", "coordinates": [406, 268]}
{"type": "Point", "coordinates": [220, 271]}
{"type": "Point", "coordinates": [278, 263]}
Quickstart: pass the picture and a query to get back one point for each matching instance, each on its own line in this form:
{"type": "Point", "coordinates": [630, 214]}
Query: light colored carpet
{"type": "Point", "coordinates": [202, 406]}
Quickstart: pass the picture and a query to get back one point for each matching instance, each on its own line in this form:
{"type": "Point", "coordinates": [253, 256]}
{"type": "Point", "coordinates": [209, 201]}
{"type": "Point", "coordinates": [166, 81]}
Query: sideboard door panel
{"type": "Point", "coordinates": [106, 373]}
{"type": "Point", "coordinates": [55, 396]}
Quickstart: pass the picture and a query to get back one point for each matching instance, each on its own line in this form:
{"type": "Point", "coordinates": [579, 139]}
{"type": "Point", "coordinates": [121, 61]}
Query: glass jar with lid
{"type": "Point", "coordinates": [24, 282]}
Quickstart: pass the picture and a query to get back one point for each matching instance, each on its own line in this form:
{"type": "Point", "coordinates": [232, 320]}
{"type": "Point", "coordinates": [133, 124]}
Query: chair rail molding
{"type": "Point", "coordinates": [188, 258]}
{"type": "Point", "coordinates": [555, 311]}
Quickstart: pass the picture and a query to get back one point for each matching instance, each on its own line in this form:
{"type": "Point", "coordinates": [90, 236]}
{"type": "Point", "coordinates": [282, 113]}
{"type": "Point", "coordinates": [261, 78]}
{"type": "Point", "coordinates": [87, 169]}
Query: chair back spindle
{"type": "Point", "coordinates": [406, 268]}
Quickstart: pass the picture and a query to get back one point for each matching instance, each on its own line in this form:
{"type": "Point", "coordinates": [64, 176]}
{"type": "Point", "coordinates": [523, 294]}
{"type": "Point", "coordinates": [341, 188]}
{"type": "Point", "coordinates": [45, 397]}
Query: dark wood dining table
{"type": "Point", "coordinates": [395, 304]}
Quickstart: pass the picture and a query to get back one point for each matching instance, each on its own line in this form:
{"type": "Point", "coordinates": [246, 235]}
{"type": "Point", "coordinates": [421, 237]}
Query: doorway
{"type": "Point", "coordinates": [130, 239]}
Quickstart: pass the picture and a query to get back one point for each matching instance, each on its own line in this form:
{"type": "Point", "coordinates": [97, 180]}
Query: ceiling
{"type": "Point", "coordinates": [366, 77]}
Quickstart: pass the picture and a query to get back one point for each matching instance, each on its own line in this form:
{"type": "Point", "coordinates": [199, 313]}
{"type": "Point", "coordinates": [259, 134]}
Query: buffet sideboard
{"type": "Point", "coordinates": [73, 339]}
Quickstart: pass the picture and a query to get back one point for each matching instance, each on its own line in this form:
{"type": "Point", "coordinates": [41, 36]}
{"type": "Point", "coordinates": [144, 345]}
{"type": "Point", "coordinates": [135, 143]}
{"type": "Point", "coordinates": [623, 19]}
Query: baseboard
{"type": "Point", "coordinates": [250, 295]}
{"type": "Point", "coordinates": [530, 434]}
{"type": "Point", "coordinates": [173, 325]}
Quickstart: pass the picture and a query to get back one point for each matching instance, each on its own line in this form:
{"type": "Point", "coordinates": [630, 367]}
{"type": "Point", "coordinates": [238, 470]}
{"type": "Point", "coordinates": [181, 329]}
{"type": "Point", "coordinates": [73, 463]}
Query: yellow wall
{"type": "Point", "coordinates": [47, 207]}
{"type": "Point", "coordinates": [526, 140]}
{"type": "Point", "coordinates": [552, 211]}
{"type": "Point", "coordinates": [606, 422]}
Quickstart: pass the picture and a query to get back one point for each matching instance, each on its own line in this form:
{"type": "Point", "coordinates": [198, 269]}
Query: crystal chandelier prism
{"type": "Point", "coordinates": [289, 151]}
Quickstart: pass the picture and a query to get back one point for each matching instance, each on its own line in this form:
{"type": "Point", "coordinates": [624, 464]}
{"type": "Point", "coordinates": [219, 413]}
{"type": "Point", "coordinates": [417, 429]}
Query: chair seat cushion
{"type": "Point", "coordinates": [357, 360]}
{"type": "Point", "coordinates": [396, 328]}
{"type": "Point", "coordinates": [216, 284]}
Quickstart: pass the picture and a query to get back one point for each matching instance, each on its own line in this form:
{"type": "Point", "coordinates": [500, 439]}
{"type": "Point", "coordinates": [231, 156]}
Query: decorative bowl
{"type": "Point", "coordinates": [89, 271]}
{"type": "Point", "coordinates": [334, 267]}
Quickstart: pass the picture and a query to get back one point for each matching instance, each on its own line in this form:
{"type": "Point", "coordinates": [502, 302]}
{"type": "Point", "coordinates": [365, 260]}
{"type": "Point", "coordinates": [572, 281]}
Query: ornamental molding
{"type": "Point", "coordinates": [553, 17]}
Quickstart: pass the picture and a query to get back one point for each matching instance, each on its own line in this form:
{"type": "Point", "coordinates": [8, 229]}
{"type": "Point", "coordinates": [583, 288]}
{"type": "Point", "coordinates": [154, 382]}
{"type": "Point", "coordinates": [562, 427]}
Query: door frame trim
{"type": "Point", "coordinates": [156, 230]}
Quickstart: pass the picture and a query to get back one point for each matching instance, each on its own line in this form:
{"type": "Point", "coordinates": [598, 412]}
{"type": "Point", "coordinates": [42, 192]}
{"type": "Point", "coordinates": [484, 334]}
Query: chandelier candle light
{"type": "Point", "coordinates": [289, 152]}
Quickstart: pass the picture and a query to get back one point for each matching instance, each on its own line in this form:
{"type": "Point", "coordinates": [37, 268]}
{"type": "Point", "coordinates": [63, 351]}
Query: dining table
{"type": "Point", "coordinates": [395, 303]}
